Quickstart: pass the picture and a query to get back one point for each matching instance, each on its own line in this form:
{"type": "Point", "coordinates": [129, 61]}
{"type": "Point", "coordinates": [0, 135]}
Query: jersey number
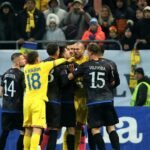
{"type": "Point", "coordinates": [9, 88]}
{"type": "Point", "coordinates": [51, 76]}
{"type": "Point", "coordinates": [95, 78]}
{"type": "Point", "coordinates": [34, 81]}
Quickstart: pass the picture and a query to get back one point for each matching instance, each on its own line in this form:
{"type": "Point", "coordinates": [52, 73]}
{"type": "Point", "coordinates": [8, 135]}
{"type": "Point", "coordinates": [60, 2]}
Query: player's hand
{"type": "Point", "coordinates": [71, 68]}
{"type": "Point", "coordinates": [20, 41]}
{"type": "Point", "coordinates": [112, 83]}
{"type": "Point", "coordinates": [71, 59]}
{"type": "Point", "coordinates": [70, 76]}
{"type": "Point", "coordinates": [31, 39]}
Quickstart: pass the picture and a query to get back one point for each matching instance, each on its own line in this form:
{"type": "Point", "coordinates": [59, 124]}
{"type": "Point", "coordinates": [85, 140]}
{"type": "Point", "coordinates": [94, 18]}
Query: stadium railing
{"type": "Point", "coordinates": [64, 42]}
{"type": "Point", "coordinates": [138, 42]}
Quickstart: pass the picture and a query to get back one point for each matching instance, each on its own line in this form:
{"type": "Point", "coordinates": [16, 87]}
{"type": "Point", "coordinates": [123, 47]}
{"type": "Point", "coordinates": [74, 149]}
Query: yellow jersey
{"type": "Point", "coordinates": [36, 79]}
{"type": "Point", "coordinates": [82, 60]}
{"type": "Point", "coordinates": [80, 91]}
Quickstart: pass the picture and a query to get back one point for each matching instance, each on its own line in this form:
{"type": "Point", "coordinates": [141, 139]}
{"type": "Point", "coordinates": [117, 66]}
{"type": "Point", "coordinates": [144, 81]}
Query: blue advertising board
{"type": "Point", "coordinates": [133, 130]}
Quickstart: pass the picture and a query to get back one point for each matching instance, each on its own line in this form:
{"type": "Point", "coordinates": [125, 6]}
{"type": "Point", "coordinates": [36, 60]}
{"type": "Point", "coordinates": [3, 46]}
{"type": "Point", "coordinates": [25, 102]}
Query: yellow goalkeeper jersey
{"type": "Point", "coordinates": [80, 91]}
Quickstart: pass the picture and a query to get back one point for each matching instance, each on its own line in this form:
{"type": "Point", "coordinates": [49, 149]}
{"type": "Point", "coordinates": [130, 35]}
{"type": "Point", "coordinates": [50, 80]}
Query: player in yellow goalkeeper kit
{"type": "Point", "coordinates": [80, 99]}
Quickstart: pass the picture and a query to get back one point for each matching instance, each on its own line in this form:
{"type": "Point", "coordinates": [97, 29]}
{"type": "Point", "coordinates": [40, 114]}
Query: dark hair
{"type": "Point", "coordinates": [95, 48]}
{"type": "Point", "coordinates": [139, 70]}
{"type": "Point", "coordinates": [61, 52]}
{"type": "Point", "coordinates": [15, 55]}
{"type": "Point", "coordinates": [31, 0]}
{"type": "Point", "coordinates": [52, 49]}
{"type": "Point", "coordinates": [32, 57]}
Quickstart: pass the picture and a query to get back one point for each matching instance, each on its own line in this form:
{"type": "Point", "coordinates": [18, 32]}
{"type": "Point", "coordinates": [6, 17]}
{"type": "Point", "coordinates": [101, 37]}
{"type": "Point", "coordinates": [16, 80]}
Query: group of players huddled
{"type": "Point", "coordinates": [71, 88]}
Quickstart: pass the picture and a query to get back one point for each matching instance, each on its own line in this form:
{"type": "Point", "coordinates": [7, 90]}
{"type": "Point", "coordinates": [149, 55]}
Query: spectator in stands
{"type": "Point", "coordinates": [141, 4]}
{"type": "Point", "coordinates": [7, 25]}
{"type": "Point", "coordinates": [111, 4]}
{"type": "Point", "coordinates": [122, 14]}
{"type": "Point", "coordinates": [16, 4]}
{"type": "Point", "coordinates": [141, 95]}
{"type": "Point", "coordinates": [113, 35]}
{"type": "Point", "coordinates": [143, 28]}
{"type": "Point", "coordinates": [54, 33]}
{"type": "Point", "coordinates": [128, 40]}
{"type": "Point", "coordinates": [106, 19]}
{"type": "Point", "coordinates": [139, 14]}
{"type": "Point", "coordinates": [55, 8]}
{"type": "Point", "coordinates": [76, 21]}
{"type": "Point", "coordinates": [94, 32]}
{"type": "Point", "coordinates": [31, 23]}
{"type": "Point", "coordinates": [87, 5]}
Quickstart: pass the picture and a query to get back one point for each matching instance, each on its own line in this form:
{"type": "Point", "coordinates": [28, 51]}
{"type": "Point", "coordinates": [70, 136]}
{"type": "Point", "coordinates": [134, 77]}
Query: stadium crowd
{"type": "Point", "coordinates": [59, 20]}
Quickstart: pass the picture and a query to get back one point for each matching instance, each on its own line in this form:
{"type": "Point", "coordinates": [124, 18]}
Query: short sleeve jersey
{"type": "Point", "coordinates": [12, 82]}
{"type": "Point", "coordinates": [97, 77]}
{"type": "Point", "coordinates": [36, 79]}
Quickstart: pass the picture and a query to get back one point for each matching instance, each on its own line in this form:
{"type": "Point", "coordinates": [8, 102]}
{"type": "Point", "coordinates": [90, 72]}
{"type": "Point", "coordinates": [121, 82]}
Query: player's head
{"type": "Point", "coordinates": [139, 73]}
{"type": "Point", "coordinates": [65, 53]}
{"type": "Point", "coordinates": [18, 59]}
{"type": "Point", "coordinates": [79, 50]}
{"type": "Point", "coordinates": [53, 50]}
{"type": "Point", "coordinates": [94, 50]}
{"type": "Point", "coordinates": [33, 58]}
{"type": "Point", "coordinates": [70, 48]}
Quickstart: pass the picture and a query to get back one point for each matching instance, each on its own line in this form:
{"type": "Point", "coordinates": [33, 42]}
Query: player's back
{"type": "Point", "coordinates": [13, 89]}
{"type": "Point", "coordinates": [36, 79]}
{"type": "Point", "coordinates": [67, 86]}
{"type": "Point", "coordinates": [53, 91]}
{"type": "Point", "coordinates": [97, 77]}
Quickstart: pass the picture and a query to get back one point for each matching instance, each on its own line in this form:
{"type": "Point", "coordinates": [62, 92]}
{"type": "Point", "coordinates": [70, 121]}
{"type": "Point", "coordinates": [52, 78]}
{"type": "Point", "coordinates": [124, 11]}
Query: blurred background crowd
{"type": "Point", "coordinates": [126, 21]}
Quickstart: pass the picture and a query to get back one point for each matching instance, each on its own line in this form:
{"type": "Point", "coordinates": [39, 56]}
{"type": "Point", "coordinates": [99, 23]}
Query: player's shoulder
{"type": "Point", "coordinates": [7, 71]}
{"type": "Point", "coordinates": [48, 59]}
{"type": "Point", "coordinates": [109, 60]}
{"type": "Point", "coordinates": [85, 57]}
{"type": "Point", "coordinates": [82, 60]}
{"type": "Point", "coordinates": [86, 63]}
{"type": "Point", "coordinates": [13, 71]}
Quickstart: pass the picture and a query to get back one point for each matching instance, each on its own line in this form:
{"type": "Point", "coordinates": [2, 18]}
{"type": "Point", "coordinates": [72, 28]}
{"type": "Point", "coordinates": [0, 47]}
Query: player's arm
{"type": "Point", "coordinates": [60, 61]}
{"type": "Point", "coordinates": [51, 64]}
{"type": "Point", "coordinates": [23, 81]}
{"type": "Point", "coordinates": [115, 74]}
{"type": "Point", "coordinates": [64, 78]}
{"type": "Point", "coordinates": [78, 72]}
{"type": "Point", "coordinates": [1, 91]}
{"type": "Point", "coordinates": [1, 86]}
{"type": "Point", "coordinates": [64, 71]}
{"type": "Point", "coordinates": [111, 77]}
